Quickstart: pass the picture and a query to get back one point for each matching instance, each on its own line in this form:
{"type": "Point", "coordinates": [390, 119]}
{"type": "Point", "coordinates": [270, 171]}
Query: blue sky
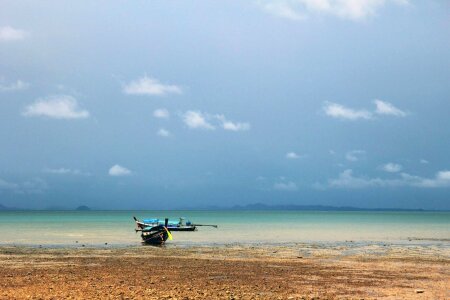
{"type": "Point", "coordinates": [168, 104]}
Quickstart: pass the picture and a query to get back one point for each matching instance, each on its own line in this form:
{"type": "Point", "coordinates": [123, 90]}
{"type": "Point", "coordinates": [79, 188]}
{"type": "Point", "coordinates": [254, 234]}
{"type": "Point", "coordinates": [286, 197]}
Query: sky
{"type": "Point", "coordinates": [185, 104]}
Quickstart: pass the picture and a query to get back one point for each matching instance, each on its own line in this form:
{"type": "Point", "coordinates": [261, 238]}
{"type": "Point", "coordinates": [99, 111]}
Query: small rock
{"type": "Point", "coordinates": [419, 291]}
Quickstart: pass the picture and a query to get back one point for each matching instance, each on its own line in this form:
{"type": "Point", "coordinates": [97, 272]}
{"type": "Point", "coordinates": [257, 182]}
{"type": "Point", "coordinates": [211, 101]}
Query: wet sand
{"type": "Point", "coordinates": [302, 271]}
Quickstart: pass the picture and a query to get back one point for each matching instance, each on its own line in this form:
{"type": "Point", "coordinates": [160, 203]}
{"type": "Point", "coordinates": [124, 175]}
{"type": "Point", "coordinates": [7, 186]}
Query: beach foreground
{"type": "Point", "coordinates": [226, 272]}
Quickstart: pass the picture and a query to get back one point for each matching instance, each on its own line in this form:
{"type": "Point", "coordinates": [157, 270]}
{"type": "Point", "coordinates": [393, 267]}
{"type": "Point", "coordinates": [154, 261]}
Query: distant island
{"type": "Point", "coordinates": [248, 207]}
{"type": "Point", "coordinates": [261, 206]}
{"type": "Point", "coordinates": [52, 208]}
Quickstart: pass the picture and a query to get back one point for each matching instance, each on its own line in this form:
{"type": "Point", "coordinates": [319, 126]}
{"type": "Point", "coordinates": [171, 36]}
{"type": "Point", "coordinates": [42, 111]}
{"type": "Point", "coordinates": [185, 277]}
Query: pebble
{"type": "Point", "coordinates": [419, 291]}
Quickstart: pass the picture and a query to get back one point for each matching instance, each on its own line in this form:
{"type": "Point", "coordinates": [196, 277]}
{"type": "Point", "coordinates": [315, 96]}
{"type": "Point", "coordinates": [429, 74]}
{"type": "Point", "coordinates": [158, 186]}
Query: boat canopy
{"type": "Point", "coordinates": [161, 222]}
{"type": "Point", "coordinates": [151, 220]}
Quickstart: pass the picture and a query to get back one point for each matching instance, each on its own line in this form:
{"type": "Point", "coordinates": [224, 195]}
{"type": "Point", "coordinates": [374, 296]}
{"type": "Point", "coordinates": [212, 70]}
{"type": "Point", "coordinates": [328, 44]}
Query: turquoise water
{"type": "Point", "coordinates": [235, 227]}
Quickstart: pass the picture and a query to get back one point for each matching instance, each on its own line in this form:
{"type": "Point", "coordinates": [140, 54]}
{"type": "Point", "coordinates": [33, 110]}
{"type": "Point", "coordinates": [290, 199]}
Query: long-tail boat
{"type": "Point", "coordinates": [155, 235]}
{"type": "Point", "coordinates": [181, 225]}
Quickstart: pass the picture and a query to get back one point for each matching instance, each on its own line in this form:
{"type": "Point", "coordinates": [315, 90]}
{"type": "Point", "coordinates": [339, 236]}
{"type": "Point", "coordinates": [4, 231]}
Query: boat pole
{"type": "Point", "coordinates": [215, 226]}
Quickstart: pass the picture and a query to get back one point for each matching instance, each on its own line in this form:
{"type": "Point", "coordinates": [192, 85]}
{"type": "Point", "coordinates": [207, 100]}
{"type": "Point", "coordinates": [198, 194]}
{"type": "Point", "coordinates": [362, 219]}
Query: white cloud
{"type": "Point", "coordinates": [283, 9]}
{"type": "Point", "coordinates": [64, 171]}
{"type": "Point", "coordinates": [161, 113]}
{"type": "Point", "coordinates": [386, 108]}
{"type": "Point", "coordinates": [347, 180]}
{"type": "Point", "coordinates": [341, 112]}
{"type": "Point", "coordinates": [15, 86]}
{"type": "Point", "coordinates": [57, 107]}
{"type": "Point", "coordinates": [441, 179]}
{"type": "Point", "coordinates": [233, 126]}
{"type": "Point", "coordinates": [292, 155]}
{"type": "Point", "coordinates": [118, 170]}
{"type": "Point", "coordinates": [163, 132]}
{"type": "Point", "coordinates": [33, 186]}
{"type": "Point", "coordinates": [285, 186]}
{"type": "Point", "coordinates": [346, 9]}
{"type": "Point", "coordinates": [391, 167]}
{"type": "Point", "coordinates": [424, 161]}
{"type": "Point", "coordinates": [150, 87]}
{"type": "Point", "coordinates": [9, 34]}
{"type": "Point", "coordinates": [355, 155]}
{"type": "Point", "coordinates": [197, 120]}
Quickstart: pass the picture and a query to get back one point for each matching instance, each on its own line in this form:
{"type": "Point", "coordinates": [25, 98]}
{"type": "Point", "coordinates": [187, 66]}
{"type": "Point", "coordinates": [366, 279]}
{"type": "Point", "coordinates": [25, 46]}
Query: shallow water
{"type": "Point", "coordinates": [235, 227]}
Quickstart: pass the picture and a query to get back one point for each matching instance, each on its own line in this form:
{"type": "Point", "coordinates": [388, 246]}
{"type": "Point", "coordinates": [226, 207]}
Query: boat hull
{"type": "Point", "coordinates": [155, 236]}
{"type": "Point", "coordinates": [184, 228]}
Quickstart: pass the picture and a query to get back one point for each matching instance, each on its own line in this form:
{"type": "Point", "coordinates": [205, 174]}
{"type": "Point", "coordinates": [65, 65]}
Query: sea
{"type": "Point", "coordinates": [117, 228]}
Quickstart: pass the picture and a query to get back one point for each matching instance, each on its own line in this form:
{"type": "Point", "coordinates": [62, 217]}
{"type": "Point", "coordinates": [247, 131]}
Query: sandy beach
{"type": "Point", "coordinates": [301, 271]}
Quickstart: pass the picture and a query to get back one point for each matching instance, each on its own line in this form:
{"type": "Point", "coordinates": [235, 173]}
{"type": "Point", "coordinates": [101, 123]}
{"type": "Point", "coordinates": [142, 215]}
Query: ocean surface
{"type": "Point", "coordinates": [95, 228]}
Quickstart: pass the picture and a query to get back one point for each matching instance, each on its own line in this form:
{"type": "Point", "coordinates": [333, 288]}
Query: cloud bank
{"type": "Point", "coordinates": [199, 120]}
{"type": "Point", "coordinates": [386, 108]}
{"type": "Point", "coordinates": [354, 10]}
{"type": "Point", "coordinates": [391, 168]}
{"type": "Point", "coordinates": [56, 107]}
{"type": "Point", "coordinates": [33, 186]}
{"type": "Point", "coordinates": [10, 34]}
{"type": "Point", "coordinates": [150, 87]}
{"type": "Point", "coordinates": [15, 86]}
{"type": "Point", "coordinates": [233, 126]}
{"type": "Point", "coordinates": [339, 111]}
{"type": "Point", "coordinates": [64, 171]}
{"type": "Point", "coordinates": [346, 180]}
{"type": "Point", "coordinates": [355, 155]}
{"type": "Point", "coordinates": [285, 186]}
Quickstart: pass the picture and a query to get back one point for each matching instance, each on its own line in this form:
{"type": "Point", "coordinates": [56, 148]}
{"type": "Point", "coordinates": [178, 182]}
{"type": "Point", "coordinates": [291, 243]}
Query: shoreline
{"type": "Point", "coordinates": [303, 271]}
{"type": "Point", "coordinates": [411, 242]}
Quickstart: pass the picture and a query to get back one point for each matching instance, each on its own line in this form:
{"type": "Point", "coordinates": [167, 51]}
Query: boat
{"type": "Point", "coordinates": [155, 235]}
{"type": "Point", "coordinates": [180, 225]}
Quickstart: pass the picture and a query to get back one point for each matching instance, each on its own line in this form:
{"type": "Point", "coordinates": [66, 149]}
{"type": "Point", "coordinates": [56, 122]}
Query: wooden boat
{"type": "Point", "coordinates": [181, 225]}
{"type": "Point", "coordinates": [156, 235]}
